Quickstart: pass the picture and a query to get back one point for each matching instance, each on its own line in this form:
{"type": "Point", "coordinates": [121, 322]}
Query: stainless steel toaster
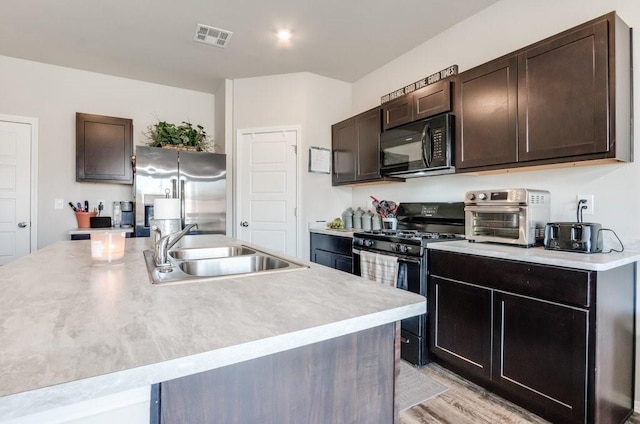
{"type": "Point", "coordinates": [583, 237]}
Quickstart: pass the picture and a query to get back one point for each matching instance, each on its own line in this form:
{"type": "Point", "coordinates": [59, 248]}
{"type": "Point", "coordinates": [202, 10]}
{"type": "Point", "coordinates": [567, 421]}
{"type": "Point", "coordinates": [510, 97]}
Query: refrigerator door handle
{"type": "Point", "coordinates": [182, 211]}
{"type": "Point", "coordinates": [174, 193]}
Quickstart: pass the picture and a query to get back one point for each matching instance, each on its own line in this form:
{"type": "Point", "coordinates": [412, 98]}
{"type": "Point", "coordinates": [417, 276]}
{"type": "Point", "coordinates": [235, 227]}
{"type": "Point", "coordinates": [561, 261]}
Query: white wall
{"type": "Point", "coordinates": [504, 27]}
{"type": "Point", "coordinates": [314, 103]}
{"type": "Point", "coordinates": [54, 94]}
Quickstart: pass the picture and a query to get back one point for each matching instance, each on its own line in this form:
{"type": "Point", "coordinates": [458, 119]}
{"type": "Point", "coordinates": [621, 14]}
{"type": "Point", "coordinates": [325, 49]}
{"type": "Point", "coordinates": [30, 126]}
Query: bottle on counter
{"type": "Point", "coordinates": [117, 214]}
{"type": "Point", "coordinates": [357, 219]}
{"type": "Point", "coordinates": [347, 218]}
{"type": "Point", "coordinates": [367, 220]}
{"type": "Point", "coordinates": [376, 222]}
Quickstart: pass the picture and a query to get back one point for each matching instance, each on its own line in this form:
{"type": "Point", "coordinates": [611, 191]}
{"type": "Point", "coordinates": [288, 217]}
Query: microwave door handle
{"type": "Point", "coordinates": [423, 141]}
{"type": "Point", "coordinates": [430, 147]}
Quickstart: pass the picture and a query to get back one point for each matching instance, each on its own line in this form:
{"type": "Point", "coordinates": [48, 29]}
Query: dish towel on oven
{"type": "Point", "coordinates": [380, 268]}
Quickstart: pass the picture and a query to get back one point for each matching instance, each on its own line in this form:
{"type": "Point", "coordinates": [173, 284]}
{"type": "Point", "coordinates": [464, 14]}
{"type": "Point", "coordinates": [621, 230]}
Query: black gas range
{"type": "Point", "coordinates": [400, 241]}
{"type": "Point", "coordinates": [418, 224]}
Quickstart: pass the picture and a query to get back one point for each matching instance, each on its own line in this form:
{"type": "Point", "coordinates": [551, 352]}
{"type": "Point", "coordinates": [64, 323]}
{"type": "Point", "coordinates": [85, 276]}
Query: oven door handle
{"type": "Point", "coordinates": [493, 209]}
{"type": "Point", "coordinates": [400, 257]}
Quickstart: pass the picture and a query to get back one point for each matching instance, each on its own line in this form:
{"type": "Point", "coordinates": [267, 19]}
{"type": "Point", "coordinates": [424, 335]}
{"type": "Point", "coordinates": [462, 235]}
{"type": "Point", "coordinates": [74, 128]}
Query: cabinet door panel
{"type": "Point", "coordinates": [461, 325]}
{"type": "Point", "coordinates": [397, 112]}
{"type": "Point", "coordinates": [104, 146]}
{"type": "Point", "coordinates": [343, 263]}
{"type": "Point", "coordinates": [344, 148]}
{"type": "Point", "coordinates": [562, 96]}
{"type": "Point", "coordinates": [432, 100]}
{"type": "Point", "coordinates": [486, 110]}
{"type": "Point", "coordinates": [322, 257]}
{"type": "Point", "coordinates": [368, 130]}
{"type": "Point", "coordinates": [540, 355]}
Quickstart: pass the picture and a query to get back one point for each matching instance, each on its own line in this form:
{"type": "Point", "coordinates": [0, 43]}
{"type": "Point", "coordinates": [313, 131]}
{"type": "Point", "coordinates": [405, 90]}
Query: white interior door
{"type": "Point", "coordinates": [15, 189]}
{"type": "Point", "coordinates": [267, 188]}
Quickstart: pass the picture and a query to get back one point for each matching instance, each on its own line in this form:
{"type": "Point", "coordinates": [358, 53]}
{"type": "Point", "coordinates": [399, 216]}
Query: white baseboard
{"type": "Point", "coordinates": [636, 406]}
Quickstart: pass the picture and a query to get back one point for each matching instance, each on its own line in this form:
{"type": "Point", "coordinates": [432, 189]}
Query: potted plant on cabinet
{"type": "Point", "coordinates": [182, 137]}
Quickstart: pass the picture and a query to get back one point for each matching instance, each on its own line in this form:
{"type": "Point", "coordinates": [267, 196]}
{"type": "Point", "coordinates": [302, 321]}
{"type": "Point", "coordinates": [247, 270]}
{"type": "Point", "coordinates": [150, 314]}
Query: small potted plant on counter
{"type": "Point", "coordinates": [182, 137]}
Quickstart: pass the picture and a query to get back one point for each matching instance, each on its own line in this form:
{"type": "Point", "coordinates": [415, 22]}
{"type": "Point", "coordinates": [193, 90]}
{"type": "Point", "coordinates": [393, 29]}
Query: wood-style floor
{"type": "Point", "coordinates": [467, 403]}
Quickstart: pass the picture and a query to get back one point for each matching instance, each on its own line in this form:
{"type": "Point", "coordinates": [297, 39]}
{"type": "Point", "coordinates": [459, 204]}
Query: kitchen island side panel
{"type": "Point", "coordinates": [349, 379]}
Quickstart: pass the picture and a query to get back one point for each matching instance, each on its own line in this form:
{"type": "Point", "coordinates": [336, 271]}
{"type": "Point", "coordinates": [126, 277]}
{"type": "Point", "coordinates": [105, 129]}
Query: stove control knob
{"type": "Point", "coordinates": [404, 249]}
{"type": "Point", "coordinates": [369, 243]}
{"type": "Point", "coordinates": [482, 196]}
{"type": "Point", "coordinates": [471, 196]}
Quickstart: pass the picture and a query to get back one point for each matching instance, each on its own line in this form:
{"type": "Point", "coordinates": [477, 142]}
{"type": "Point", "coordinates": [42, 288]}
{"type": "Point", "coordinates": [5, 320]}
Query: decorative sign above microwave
{"type": "Point", "coordinates": [445, 73]}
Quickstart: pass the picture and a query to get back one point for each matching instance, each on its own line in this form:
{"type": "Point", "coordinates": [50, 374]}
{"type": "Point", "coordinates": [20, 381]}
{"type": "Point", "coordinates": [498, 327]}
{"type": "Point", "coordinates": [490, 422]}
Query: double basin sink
{"type": "Point", "coordinates": [209, 263]}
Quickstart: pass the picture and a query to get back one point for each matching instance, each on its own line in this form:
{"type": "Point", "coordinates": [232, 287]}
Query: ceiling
{"type": "Point", "coordinates": [152, 40]}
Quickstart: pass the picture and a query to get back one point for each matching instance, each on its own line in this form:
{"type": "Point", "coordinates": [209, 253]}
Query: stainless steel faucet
{"type": "Point", "coordinates": [165, 243]}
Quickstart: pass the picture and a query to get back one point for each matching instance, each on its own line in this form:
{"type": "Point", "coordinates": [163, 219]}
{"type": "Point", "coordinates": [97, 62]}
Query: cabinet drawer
{"type": "Point", "coordinates": [335, 244]}
{"type": "Point", "coordinates": [555, 284]}
{"type": "Point", "coordinates": [412, 348]}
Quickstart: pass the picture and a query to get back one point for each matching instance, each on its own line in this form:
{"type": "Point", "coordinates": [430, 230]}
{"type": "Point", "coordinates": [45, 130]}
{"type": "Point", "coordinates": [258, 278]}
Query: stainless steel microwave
{"type": "Point", "coordinates": [419, 148]}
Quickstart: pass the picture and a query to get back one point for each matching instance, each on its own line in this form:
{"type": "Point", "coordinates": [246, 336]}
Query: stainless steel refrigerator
{"type": "Point", "coordinates": [198, 179]}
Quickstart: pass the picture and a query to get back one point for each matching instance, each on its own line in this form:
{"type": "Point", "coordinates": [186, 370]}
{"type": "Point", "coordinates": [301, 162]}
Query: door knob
{"type": "Point", "coordinates": [244, 224]}
{"type": "Point", "coordinates": [22, 224]}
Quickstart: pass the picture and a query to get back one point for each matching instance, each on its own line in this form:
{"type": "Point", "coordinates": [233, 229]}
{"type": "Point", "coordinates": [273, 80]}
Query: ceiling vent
{"type": "Point", "coordinates": [213, 36]}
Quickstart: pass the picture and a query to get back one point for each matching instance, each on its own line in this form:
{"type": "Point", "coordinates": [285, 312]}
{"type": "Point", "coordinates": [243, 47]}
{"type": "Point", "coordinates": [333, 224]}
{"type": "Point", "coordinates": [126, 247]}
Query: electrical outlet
{"type": "Point", "coordinates": [589, 210]}
{"type": "Point", "coordinates": [57, 203]}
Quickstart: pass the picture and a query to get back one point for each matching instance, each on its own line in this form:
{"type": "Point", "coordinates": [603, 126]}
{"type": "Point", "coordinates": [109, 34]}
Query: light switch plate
{"type": "Point", "coordinates": [58, 203]}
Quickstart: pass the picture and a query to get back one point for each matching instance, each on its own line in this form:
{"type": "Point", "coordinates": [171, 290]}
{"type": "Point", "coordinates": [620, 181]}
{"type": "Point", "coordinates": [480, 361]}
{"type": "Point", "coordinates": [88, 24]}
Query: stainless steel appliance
{"type": "Point", "coordinates": [418, 224]}
{"type": "Point", "coordinates": [417, 149]}
{"type": "Point", "coordinates": [584, 237]}
{"type": "Point", "coordinates": [126, 214]}
{"type": "Point", "coordinates": [510, 216]}
{"type": "Point", "coordinates": [198, 179]}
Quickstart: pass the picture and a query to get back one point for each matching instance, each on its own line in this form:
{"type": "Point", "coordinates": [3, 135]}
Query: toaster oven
{"type": "Point", "coordinates": [508, 216]}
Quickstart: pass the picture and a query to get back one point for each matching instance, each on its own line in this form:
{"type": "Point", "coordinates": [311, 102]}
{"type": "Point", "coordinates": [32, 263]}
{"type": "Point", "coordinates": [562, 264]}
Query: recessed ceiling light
{"type": "Point", "coordinates": [284, 34]}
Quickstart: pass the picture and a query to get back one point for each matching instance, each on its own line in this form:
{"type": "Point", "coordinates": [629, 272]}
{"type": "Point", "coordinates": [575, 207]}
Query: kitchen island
{"type": "Point", "coordinates": [72, 330]}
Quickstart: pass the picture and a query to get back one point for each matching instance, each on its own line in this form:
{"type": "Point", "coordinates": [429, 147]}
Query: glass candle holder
{"type": "Point", "coordinates": [107, 246]}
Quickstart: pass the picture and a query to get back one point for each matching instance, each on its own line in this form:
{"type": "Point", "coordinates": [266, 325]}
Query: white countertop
{"type": "Point", "coordinates": [100, 230]}
{"type": "Point", "coordinates": [71, 330]}
{"type": "Point", "coordinates": [333, 232]}
{"type": "Point", "coordinates": [539, 255]}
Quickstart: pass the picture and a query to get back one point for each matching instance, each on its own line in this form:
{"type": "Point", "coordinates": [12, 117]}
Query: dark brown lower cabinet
{"type": "Point", "coordinates": [557, 341]}
{"type": "Point", "coordinates": [332, 251]}
{"type": "Point", "coordinates": [349, 379]}
{"type": "Point", "coordinates": [462, 331]}
{"type": "Point", "coordinates": [540, 354]}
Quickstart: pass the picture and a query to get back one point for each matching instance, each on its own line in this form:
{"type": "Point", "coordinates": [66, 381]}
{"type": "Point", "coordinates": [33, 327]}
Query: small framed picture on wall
{"type": "Point", "coordinates": [319, 160]}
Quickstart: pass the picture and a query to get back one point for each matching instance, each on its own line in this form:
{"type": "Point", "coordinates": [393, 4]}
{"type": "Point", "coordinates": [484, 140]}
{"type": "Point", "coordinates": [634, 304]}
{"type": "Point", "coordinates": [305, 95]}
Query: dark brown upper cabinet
{"type": "Point", "coordinates": [344, 147]}
{"type": "Point", "coordinates": [566, 99]}
{"type": "Point", "coordinates": [355, 145]}
{"type": "Point", "coordinates": [427, 101]}
{"type": "Point", "coordinates": [104, 146]}
{"type": "Point", "coordinates": [486, 115]}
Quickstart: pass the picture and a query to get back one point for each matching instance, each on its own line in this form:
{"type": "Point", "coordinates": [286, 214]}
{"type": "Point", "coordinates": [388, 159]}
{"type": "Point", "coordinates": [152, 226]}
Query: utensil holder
{"type": "Point", "coordinates": [389, 223]}
{"type": "Point", "coordinates": [84, 219]}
